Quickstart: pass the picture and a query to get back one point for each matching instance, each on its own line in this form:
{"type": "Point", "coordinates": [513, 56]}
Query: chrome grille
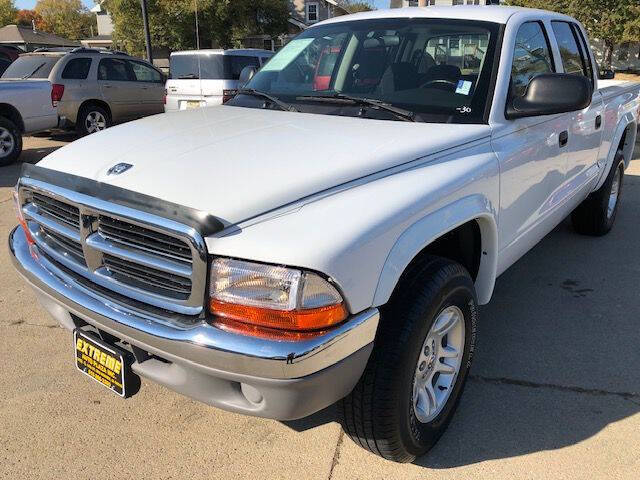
{"type": "Point", "coordinates": [57, 210]}
{"type": "Point", "coordinates": [63, 243]}
{"type": "Point", "coordinates": [148, 278]}
{"type": "Point", "coordinates": [142, 238]}
{"type": "Point", "coordinates": [131, 253]}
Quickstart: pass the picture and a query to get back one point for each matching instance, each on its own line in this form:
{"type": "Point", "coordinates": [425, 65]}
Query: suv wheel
{"type": "Point", "coordinates": [10, 142]}
{"type": "Point", "coordinates": [92, 119]}
{"type": "Point", "coordinates": [411, 386]}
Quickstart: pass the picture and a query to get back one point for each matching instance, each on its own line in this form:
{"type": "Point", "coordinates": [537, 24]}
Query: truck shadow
{"type": "Point", "coordinates": [557, 355]}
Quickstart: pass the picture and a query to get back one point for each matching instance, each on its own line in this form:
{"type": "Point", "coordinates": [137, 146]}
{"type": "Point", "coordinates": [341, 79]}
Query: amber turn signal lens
{"type": "Point", "coordinates": [291, 320]}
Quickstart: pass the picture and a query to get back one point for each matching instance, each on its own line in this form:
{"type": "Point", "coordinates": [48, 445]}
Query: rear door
{"type": "Point", "coordinates": [119, 88]}
{"type": "Point", "coordinates": [151, 87]}
{"type": "Point", "coordinates": [585, 126]}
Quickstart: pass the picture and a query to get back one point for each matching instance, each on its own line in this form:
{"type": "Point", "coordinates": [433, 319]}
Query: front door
{"type": "Point", "coordinates": [532, 155]}
{"type": "Point", "coordinates": [119, 88]}
{"type": "Point", "coordinates": [151, 87]}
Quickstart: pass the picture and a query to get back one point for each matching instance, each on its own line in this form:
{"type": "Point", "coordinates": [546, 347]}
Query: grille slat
{"type": "Point", "coordinates": [66, 244]}
{"type": "Point", "coordinates": [59, 211]}
{"type": "Point", "coordinates": [143, 238]}
{"type": "Point", "coordinates": [148, 276]}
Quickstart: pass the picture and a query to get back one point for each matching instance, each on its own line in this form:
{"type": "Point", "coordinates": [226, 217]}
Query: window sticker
{"type": "Point", "coordinates": [464, 87]}
{"type": "Point", "coordinates": [287, 55]}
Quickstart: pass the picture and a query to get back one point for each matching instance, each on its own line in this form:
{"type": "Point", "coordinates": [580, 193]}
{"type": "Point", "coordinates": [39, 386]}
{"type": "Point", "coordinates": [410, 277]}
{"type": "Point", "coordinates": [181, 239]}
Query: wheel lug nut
{"type": "Point", "coordinates": [427, 350]}
{"type": "Point", "coordinates": [422, 366]}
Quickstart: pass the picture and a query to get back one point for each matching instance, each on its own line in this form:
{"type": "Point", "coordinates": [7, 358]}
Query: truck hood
{"type": "Point", "coordinates": [236, 163]}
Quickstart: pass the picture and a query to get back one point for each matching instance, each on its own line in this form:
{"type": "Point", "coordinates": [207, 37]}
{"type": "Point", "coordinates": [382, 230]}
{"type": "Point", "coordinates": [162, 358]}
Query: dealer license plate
{"type": "Point", "coordinates": [100, 361]}
{"type": "Point", "coordinates": [193, 104]}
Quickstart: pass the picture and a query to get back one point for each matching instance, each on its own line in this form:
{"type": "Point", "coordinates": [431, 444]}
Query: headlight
{"type": "Point", "coordinates": [273, 297]}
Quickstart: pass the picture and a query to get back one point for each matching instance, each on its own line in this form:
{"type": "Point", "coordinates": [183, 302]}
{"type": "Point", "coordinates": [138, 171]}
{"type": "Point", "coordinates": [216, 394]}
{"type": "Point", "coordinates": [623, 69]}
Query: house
{"type": "Point", "coordinates": [426, 3]}
{"type": "Point", "coordinates": [28, 38]}
{"type": "Point", "coordinates": [302, 14]}
{"type": "Point", "coordinates": [105, 29]}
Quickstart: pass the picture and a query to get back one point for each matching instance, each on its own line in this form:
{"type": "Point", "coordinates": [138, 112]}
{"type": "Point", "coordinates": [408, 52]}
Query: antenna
{"type": "Point", "coordinates": [198, 48]}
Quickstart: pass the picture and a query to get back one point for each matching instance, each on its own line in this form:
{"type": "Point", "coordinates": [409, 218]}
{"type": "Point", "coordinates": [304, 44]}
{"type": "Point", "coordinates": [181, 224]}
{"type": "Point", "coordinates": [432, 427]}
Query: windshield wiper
{"type": "Point", "coordinates": [400, 113]}
{"type": "Point", "coordinates": [34, 72]}
{"type": "Point", "coordinates": [188, 76]}
{"type": "Point", "coordinates": [275, 100]}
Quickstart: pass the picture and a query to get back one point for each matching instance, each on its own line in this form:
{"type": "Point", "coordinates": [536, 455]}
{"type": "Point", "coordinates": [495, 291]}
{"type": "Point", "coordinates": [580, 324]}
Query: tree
{"type": "Point", "coordinates": [67, 18]}
{"type": "Point", "coordinates": [611, 21]}
{"type": "Point", "coordinates": [7, 12]}
{"type": "Point", "coordinates": [26, 17]}
{"type": "Point", "coordinates": [222, 23]}
{"type": "Point", "coordinates": [355, 6]}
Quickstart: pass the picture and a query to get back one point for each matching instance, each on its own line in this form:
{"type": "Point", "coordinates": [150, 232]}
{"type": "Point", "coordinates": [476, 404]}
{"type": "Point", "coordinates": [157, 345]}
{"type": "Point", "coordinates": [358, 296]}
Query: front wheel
{"type": "Point", "coordinates": [417, 370]}
{"type": "Point", "coordinates": [10, 142]}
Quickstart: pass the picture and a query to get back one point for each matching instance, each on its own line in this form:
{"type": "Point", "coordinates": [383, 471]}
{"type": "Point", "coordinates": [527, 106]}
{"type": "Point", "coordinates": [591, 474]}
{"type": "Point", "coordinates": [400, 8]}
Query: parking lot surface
{"type": "Point", "coordinates": [554, 391]}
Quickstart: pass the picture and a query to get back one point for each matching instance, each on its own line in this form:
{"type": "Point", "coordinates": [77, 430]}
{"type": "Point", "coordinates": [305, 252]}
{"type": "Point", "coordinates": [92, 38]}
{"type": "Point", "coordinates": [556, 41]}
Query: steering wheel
{"type": "Point", "coordinates": [439, 82]}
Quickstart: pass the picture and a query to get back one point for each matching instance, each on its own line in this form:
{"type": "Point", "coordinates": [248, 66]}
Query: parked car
{"type": "Point", "coordinates": [98, 88]}
{"type": "Point", "coordinates": [7, 56]}
{"type": "Point", "coordinates": [295, 248]}
{"type": "Point", "coordinates": [26, 106]}
{"type": "Point", "coordinates": [200, 78]}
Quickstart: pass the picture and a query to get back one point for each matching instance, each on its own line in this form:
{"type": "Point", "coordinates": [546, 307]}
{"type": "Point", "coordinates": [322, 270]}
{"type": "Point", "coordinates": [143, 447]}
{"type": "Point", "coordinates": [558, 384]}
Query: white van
{"type": "Point", "coordinates": [201, 78]}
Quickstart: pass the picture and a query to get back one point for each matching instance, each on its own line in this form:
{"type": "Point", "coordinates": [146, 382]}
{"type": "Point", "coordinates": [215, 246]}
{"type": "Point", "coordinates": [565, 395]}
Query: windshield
{"type": "Point", "coordinates": [31, 66]}
{"type": "Point", "coordinates": [440, 69]}
{"type": "Point", "coordinates": [212, 66]}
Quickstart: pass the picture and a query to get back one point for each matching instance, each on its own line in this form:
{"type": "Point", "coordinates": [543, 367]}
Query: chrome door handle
{"type": "Point", "coordinates": [107, 86]}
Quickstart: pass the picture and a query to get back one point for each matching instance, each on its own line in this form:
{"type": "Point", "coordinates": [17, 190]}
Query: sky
{"type": "Point", "coordinates": [89, 3]}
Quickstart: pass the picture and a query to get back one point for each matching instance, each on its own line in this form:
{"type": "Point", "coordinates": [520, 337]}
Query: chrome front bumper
{"type": "Point", "coordinates": [263, 377]}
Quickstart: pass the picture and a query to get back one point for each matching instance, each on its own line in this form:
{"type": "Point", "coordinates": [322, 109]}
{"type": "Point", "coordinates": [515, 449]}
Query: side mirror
{"type": "Point", "coordinates": [607, 74]}
{"type": "Point", "coordinates": [551, 93]}
{"type": "Point", "coordinates": [246, 75]}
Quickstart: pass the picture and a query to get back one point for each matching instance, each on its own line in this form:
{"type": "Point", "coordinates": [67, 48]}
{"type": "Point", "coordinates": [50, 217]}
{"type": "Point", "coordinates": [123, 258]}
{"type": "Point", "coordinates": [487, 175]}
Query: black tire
{"type": "Point", "coordinates": [85, 112]}
{"type": "Point", "coordinates": [379, 414]}
{"type": "Point", "coordinates": [592, 216]}
{"type": "Point", "coordinates": [11, 146]}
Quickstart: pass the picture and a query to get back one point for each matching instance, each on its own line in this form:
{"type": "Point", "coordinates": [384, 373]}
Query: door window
{"type": "Point", "coordinates": [531, 56]}
{"type": "Point", "coordinates": [237, 63]}
{"type": "Point", "coordinates": [572, 57]}
{"type": "Point", "coordinates": [114, 69]}
{"type": "Point", "coordinates": [145, 73]}
{"type": "Point", "coordinates": [77, 69]}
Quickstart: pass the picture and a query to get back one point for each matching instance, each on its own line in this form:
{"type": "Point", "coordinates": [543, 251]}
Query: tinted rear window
{"type": "Point", "coordinates": [31, 66]}
{"type": "Point", "coordinates": [77, 69]}
{"type": "Point", "coordinates": [212, 67]}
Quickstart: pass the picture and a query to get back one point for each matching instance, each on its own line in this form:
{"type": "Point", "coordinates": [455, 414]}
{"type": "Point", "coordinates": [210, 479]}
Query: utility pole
{"type": "Point", "coordinates": [147, 34]}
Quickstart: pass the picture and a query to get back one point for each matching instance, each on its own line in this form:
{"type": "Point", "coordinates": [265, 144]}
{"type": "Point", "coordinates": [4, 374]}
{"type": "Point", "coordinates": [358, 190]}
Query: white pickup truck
{"type": "Point", "coordinates": [328, 234]}
{"type": "Point", "coordinates": [26, 106]}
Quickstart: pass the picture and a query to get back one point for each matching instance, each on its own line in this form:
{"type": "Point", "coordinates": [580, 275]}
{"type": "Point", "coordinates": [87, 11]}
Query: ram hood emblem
{"type": "Point", "coordinates": [119, 168]}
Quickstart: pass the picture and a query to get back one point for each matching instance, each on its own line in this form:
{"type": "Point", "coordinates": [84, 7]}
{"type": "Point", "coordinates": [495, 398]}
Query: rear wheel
{"type": "Point", "coordinates": [418, 367]}
{"type": "Point", "coordinates": [10, 142]}
{"type": "Point", "coordinates": [597, 214]}
{"type": "Point", "coordinates": [92, 119]}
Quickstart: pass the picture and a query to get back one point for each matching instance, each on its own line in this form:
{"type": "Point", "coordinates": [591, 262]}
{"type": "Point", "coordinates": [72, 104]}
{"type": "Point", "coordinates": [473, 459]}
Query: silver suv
{"type": "Point", "coordinates": [94, 89]}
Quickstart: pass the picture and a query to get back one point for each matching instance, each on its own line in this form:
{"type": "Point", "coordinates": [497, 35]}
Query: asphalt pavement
{"type": "Point", "coordinates": [554, 391]}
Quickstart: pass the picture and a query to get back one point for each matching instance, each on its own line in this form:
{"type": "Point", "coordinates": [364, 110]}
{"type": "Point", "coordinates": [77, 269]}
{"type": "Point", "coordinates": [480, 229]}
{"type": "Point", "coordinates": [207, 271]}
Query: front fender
{"type": "Point", "coordinates": [429, 228]}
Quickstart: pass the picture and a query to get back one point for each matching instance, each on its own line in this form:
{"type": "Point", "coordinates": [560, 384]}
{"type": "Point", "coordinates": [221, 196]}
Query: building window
{"type": "Point", "coordinates": [312, 12]}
